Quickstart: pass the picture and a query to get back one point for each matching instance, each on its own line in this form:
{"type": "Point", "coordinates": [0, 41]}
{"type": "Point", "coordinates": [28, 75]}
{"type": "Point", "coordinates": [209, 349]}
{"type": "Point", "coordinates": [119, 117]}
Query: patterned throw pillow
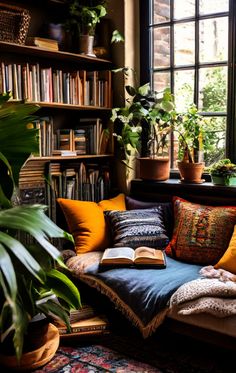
{"type": "Point", "coordinates": [201, 233]}
{"type": "Point", "coordinates": [134, 204]}
{"type": "Point", "coordinates": [136, 228]}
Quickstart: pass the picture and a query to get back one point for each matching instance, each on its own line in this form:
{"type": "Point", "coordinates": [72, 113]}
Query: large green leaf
{"type": "Point", "coordinates": [17, 141]}
{"type": "Point", "coordinates": [8, 282]}
{"type": "Point", "coordinates": [32, 219]}
{"type": "Point", "coordinates": [64, 288]}
{"type": "Point", "coordinates": [51, 307]}
{"type": "Point", "coordinates": [22, 255]}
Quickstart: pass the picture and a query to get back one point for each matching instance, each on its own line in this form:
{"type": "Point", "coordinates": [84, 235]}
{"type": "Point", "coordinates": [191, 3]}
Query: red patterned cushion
{"type": "Point", "coordinates": [201, 233]}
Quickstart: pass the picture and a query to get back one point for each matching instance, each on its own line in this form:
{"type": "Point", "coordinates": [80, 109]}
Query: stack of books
{"type": "Point", "coordinates": [84, 322]}
{"type": "Point", "coordinates": [46, 43]}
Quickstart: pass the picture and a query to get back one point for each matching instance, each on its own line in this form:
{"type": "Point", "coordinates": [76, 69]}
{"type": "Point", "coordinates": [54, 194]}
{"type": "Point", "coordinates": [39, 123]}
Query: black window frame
{"type": "Point", "coordinates": [145, 68]}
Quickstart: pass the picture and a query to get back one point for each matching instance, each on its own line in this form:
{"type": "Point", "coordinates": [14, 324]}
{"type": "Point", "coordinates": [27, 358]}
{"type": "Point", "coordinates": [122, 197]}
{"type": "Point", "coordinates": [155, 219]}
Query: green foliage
{"type": "Point", "coordinates": [224, 168]}
{"type": "Point", "coordinates": [214, 93]}
{"type": "Point", "coordinates": [29, 280]}
{"type": "Point", "coordinates": [84, 16]}
{"type": "Point", "coordinates": [16, 143]}
{"type": "Point", "coordinates": [145, 111]}
{"type": "Point", "coordinates": [191, 130]}
{"type": "Point", "coordinates": [117, 37]}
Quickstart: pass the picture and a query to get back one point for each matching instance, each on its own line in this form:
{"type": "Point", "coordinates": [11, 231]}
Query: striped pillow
{"type": "Point", "coordinates": [134, 228]}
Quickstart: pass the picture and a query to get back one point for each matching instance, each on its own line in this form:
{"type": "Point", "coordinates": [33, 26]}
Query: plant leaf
{"type": "Point", "coordinates": [63, 287]}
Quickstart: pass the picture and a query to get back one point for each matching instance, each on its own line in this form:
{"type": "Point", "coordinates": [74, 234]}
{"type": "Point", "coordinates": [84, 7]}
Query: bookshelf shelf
{"type": "Point", "coordinates": [51, 54]}
{"type": "Point", "coordinates": [70, 157]}
{"type": "Point", "coordinates": [56, 105]}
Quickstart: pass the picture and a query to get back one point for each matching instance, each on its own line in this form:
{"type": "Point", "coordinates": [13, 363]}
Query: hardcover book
{"type": "Point", "coordinates": [143, 256]}
{"type": "Point", "coordinates": [92, 325]}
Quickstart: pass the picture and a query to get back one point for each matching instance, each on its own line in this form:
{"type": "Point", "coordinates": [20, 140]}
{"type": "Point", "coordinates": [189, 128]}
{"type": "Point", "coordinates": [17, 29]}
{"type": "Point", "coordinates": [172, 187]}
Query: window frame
{"type": "Point", "coordinates": [146, 66]}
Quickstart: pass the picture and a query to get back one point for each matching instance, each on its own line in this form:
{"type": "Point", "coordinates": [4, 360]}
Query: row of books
{"type": "Point", "coordinates": [33, 82]}
{"type": "Point", "coordinates": [88, 137]}
{"type": "Point", "coordinates": [79, 181]}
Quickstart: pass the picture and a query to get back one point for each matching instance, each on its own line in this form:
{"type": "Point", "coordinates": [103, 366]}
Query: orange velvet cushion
{"type": "Point", "coordinates": [87, 224]}
{"type": "Point", "coordinates": [116, 203]}
{"type": "Point", "coordinates": [201, 233]}
{"type": "Point", "coordinates": [228, 260]}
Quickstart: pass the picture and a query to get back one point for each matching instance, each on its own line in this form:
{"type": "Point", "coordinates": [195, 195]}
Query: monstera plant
{"type": "Point", "coordinates": [31, 281]}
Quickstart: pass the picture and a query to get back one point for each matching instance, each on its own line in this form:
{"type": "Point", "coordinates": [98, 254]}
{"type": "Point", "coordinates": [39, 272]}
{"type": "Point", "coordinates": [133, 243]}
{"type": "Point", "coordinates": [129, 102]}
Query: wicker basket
{"type": "Point", "coordinates": [14, 23]}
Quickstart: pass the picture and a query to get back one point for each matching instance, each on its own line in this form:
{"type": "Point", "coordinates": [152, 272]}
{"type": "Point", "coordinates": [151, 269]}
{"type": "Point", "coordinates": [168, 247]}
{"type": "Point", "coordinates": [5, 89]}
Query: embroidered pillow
{"type": "Point", "coordinates": [136, 228]}
{"type": "Point", "coordinates": [86, 222]}
{"type": "Point", "coordinates": [228, 260]}
{"type": "Point", "coordinates": [201, 233]}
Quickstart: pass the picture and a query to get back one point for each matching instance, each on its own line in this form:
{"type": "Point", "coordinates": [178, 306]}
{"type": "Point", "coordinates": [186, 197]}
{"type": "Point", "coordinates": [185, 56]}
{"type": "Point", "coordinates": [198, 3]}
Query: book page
{"type": "Point", "coordinates": [145, 255]}
{"type": "Point", "coordinates": [118, 255]}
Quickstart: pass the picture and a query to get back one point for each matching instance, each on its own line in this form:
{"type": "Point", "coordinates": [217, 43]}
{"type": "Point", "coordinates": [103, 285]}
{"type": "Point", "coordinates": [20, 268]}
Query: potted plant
{"type": "Point", "coordinates": [153, 116]}
{"type": "Point", "coordinates": [31, 281]}
{"type": "Point", "coordinates": [190, 140]}
{"type": "Point", "coordinates": [82, 20]}
{"type": "Point", "coordinates": [223, 172]}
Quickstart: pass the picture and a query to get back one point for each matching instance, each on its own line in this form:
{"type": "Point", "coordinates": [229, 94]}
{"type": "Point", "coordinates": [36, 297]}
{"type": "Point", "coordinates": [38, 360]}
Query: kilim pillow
{"type": "Point", "coordinates": [134, 228]}
{"type": "Point", "coordinates": [201, 233]}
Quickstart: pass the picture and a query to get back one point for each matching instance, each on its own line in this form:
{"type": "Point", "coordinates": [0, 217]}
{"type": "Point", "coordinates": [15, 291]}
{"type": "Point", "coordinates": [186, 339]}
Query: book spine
{"type": "Point", "coordinates": [81, 329]}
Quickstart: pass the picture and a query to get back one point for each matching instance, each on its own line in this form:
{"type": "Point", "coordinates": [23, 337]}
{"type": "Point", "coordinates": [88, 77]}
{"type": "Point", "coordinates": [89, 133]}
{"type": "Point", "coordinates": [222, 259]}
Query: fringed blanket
{"type": "Point", "coordinates": [142, 295]}
{"type": "Point", "coordinates": [208, 295]}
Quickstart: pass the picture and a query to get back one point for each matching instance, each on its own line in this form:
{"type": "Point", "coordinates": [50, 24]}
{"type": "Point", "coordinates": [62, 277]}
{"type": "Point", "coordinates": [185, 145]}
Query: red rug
{"type": "Point", "coordinates": [93, 359]}
{"type": "Point", "coordinates": [128, 353]}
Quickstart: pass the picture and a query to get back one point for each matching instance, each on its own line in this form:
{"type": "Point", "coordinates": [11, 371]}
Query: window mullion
{"type": "Point", "coordinates": [196, 75]}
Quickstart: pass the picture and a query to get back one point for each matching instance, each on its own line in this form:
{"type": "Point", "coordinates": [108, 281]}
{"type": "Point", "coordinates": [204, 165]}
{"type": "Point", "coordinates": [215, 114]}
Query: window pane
{"type": "Point", "coordinates": [213, 6]}
{"type": "Point", "coordinates": [213, 89]}
{"type": "Point", "coordinates": [213, 37]}
{"type": "Point", "coordinates": [184, 8]}
{"type": "Point", "coordinates": [215, 137]}
{"type": "Point", "coordinates": [183, 89]}
{"type": "Point", "coordinates": [161, 11]}
{"type": "Point", "coordinates": [161, 81]}
{"type": "Point", "coordinates": [161, 47]}
{"type": "Point", "coordinates": [184, 51]}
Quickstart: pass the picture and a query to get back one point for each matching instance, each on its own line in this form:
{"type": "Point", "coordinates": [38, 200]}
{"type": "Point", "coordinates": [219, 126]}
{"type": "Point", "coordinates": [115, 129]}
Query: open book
{"type": "Point", "coordinates": [126, 256]}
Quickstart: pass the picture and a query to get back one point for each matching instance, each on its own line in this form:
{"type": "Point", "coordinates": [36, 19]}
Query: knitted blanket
{"type": "Point", "coordinates": [208, 295]}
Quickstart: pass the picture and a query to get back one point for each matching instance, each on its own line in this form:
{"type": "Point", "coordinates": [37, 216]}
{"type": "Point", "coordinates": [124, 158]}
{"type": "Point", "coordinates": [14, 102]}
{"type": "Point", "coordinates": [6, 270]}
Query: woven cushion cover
{"type": "Point", "coordinates": [201, 233]}
{"type": "Point", "coordinates": [134, 228]}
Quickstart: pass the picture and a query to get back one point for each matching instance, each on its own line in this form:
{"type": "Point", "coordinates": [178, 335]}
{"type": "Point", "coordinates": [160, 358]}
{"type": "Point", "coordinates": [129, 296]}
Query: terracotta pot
{"type": "Point", "coordinates": [35, 358]}
{"type": "Point", "coordinates": [191, 172]}
{"type": "Point", "coordinates": [154, 168]}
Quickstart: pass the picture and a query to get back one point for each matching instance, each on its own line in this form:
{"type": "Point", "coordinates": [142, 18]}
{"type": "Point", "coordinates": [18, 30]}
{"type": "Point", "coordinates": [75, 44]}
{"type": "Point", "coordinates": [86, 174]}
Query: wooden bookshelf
{"type": "Point", "coordinates": [69, 88]}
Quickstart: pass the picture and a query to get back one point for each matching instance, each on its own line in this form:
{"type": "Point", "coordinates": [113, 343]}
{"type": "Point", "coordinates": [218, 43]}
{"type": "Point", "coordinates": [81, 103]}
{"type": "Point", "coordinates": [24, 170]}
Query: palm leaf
{"type": "Point", "coordinates": [52, 308]}
{"type": "Point", "coordinates": [8, 280]}
{"type": "Point", "coordinates": [17, 141]}
{"type": "Point", "coordinates": [63, 287]}
{"type": "Point", "coordinates": [22, 255]}
{"type": "Point", "coordinates": [32, 219]}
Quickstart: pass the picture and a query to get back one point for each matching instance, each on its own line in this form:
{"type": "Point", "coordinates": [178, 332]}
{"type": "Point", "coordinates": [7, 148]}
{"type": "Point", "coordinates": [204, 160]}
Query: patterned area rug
{"type": "Point", "coordinates": [94, 359]}
{"type": "Point", "coordinates": [119, 353]}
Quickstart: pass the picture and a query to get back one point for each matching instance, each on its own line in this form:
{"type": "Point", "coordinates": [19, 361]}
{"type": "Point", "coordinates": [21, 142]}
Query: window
{"type": "Point", "coordinates": [190, 47]}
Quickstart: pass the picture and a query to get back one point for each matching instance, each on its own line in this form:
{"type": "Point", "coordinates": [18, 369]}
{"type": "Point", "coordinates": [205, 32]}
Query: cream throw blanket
{"type": "Point", "coordinates": [206, 295]}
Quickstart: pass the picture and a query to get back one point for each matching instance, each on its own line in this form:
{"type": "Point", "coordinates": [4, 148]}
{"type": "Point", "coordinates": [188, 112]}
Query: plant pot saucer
{"type": "Point", "coordinates": [192, 182]}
